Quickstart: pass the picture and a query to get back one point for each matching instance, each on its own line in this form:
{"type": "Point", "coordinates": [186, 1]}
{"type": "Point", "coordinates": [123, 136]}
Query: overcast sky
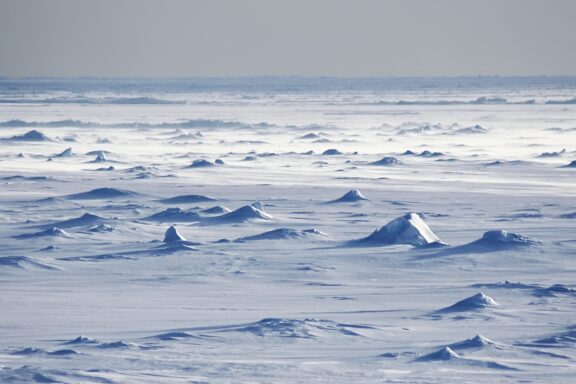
{"type": "Point", "coordinates": [292, 37]}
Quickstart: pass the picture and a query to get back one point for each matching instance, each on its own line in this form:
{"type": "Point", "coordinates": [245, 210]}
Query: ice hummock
{"type": "Point", "coordinates": [473, 303]}
{"type": "Point", "coordinates": [172, 235]}
{"type": "Point", "coordinates": [351, 196]}
{"type": "Point", "coordinates": [409, 229]}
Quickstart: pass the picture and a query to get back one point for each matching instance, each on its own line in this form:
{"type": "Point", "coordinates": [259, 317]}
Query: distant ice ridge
{"type": "Point", "coordinates": [192, 123]}
{"type": "Point", "coordinates": [409, 229]}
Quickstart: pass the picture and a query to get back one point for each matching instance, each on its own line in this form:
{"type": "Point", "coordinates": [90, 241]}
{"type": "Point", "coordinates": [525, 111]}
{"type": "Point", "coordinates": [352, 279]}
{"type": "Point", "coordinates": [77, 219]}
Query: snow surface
{"type": "Point", "coordinates": [99, 284]}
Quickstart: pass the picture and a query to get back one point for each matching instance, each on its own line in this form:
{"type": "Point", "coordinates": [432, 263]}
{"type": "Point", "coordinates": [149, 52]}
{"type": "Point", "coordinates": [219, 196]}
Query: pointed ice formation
{"type": "Point", "coordinates": [100, 157]}
{"type": "Point", "coordinates": [408, 229]}
{"type": "Point", "coordinates": [477, 341]}
{"type": "Point", "coordinates": [443, 354]}
{"type": "Point", "coordinates": [172, 235]}
{"type": "Point", "coordinates": [472, 303]}
{"type": "Point", "coordinates": [65, 153]}
{"type": "Point", "coordinates": [351, 196]}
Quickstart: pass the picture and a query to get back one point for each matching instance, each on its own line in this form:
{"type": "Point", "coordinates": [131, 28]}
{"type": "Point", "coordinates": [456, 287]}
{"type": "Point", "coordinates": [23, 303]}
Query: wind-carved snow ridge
{"type": "Point", "coordinates": [85, 220]}
{"type": "Point", "coordinates": [409, 229]}
{"type": "Point", "coordinates": [23, 262]}
{"type": "Point", "coordinates": [301, 329]}
{"type": "Point", "coordinates": [283, 234]}
{"type": "Point", "coordinates": [503, 238]}
{"type": "Point", "coordinates": [174, 215]}
{"type": "Point", "coordinates": [52, 232]}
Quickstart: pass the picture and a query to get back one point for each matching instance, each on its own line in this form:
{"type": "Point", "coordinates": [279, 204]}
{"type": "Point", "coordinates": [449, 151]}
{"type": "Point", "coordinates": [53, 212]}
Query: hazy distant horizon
{"type": "Point", "coordinates": [336, 38]}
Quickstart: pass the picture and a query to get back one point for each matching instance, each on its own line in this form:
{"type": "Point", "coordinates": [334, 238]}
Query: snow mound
{"type": "Point", "coordinates": [351, 196]}
{"type": "Point", "coordinates": [201, 163]}
{"type": "Point", "coordinates": [331, 152]}
{"type": "Point", "coordinates": [245, 213]}
{"type": "Point", "coordinates": [555, 290]}
{"type": "Point", "coordinates": [500, 238]}
{"type": "Point", "coordinates": [409, 229]}
{"type": "Point", "coordinates": [572, 164]}
{"type": "Point", "coordinates": [309, 136]}
{"type": "Point", "coordinates": [52, 231]}
{"type": "Point", "coordinates": [187, 199]}
{"type": "Point", "coordinates": [84, 220]}
{"type": "Point", "coordinates": [102, 193]}
{"type": "Point", "coordinates": [34, 136]}
{"type": "Point", "coordinates": [292, 328]}
{"type": "Point", "coordinates": [65, 153]}
{"type": "Point", "coordinates": [23, 262]}
{"type": "Point", "coordinates": [283, 234]}
{"type": "Point", "coordinates": [174, 215]}
{"type": "Point", "coordinates": [216, 210]}
{"type": "Point", "coordinates": [473, 303]}
{"type": "Point", "coordinates": [443, 354]}
{"type": "Point", "coordinates": [387, 161]}
{"type": "Point", "coordinates": [477, 341]}
{"type": "Point", "coordinates": [172, 235]}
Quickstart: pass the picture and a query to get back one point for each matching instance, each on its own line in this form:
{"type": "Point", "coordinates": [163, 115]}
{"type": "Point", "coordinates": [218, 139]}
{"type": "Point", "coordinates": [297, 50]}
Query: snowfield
{"type": "Point", "coordinates": [288, 231]}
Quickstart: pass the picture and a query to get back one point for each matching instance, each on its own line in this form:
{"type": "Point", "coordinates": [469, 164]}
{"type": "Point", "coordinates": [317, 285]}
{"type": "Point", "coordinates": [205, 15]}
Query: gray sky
{"type": "Point", "coordinates": [291, 37]}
